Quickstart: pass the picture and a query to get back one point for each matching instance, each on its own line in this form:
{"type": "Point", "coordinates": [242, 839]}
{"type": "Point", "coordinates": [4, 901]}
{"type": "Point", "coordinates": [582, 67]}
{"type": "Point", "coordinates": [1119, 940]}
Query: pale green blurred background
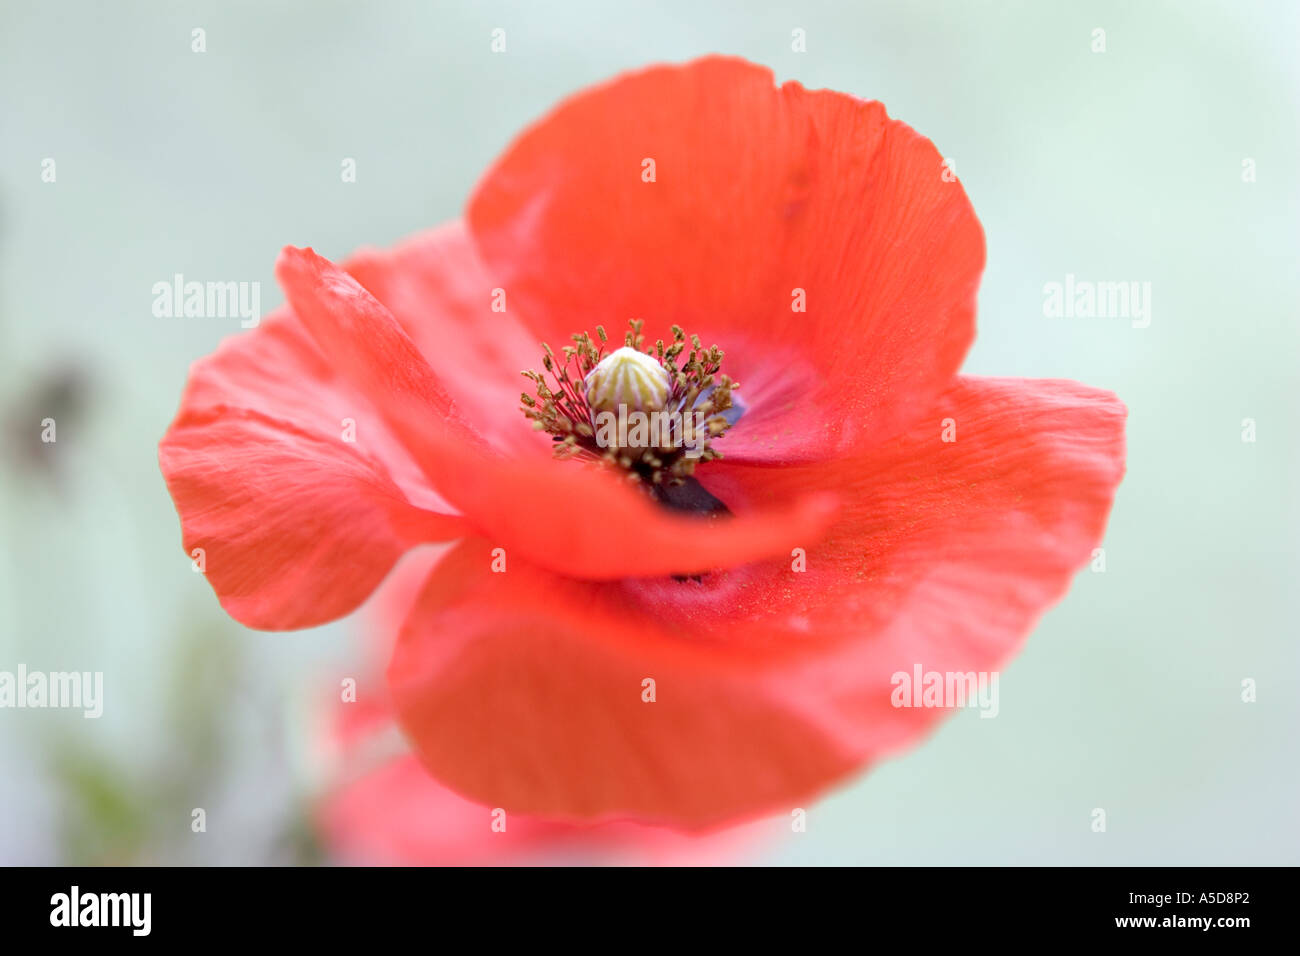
{"type": "Point", "coordinates": [1125, 165]}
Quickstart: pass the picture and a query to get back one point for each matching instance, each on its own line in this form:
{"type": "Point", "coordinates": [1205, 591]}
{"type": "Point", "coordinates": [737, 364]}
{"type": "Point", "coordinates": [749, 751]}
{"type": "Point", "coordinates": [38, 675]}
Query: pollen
{"type": "Point", "coordinates": [651, 413]}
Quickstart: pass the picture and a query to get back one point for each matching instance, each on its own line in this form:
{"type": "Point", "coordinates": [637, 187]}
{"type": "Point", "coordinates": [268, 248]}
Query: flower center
{"type": "Point", "coordinates": [650, 413]}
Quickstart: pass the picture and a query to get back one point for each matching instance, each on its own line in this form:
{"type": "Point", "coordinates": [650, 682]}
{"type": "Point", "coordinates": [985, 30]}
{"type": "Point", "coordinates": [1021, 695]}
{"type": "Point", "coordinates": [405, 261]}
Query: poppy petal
{"type": "Point", "coordinates": [523, 690]}
{"type": "Point", "coordinates": [387, 811]}
{"type": "Point", "coordinates": [575, 519]}
{"type": "Point", "coordinates": [383, 807]}
{"type": "Point", "coordinates": [438, 290]}
{"type": "Point", "coordinates": [294, 498]}
{"type": "Point", "coordinates": [815, 240]}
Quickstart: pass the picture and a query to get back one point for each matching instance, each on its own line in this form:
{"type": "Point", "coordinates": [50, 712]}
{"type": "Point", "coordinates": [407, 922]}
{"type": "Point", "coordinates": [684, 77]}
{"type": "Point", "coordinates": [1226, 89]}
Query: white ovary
{"type": "Point", "coordinates": [627, 377]}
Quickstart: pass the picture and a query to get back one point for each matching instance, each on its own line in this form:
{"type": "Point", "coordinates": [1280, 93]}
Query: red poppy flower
{"type": "Point", "coordinates": [379, 805]}
{"type": "Point", "coordinates": [769, 594]}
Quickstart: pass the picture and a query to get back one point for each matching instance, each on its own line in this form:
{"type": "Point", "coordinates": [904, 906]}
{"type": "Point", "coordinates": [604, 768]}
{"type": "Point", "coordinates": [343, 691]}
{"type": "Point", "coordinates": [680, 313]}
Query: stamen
{"type": "Point", "coordinates": [634, 410]}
